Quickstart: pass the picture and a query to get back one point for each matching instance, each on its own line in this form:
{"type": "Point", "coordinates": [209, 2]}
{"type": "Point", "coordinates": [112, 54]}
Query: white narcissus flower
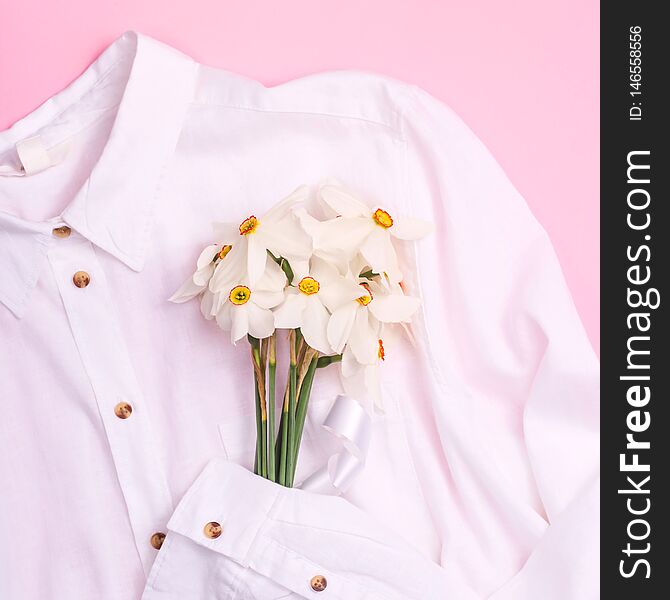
{"type": "Point", "coordinates": [308, 305]}
{"type": "Point", "coordinates": [246, 308]}
{"type": "Point", "coordinates": [205, 266]}
{"type": "Point", "coordinates": [211, 258]}
{"type": "Point", "coordinates": [356, 326]}
{"type": "Point", "coordinates": [359, 228]}
{"type": "Point", "coordinates": [278, 231]}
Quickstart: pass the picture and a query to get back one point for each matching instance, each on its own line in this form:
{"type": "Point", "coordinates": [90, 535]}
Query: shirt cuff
{"type": "Point", "coordinates": [227, 495]}
{"type": "Point", "coordinates": [244, 504]}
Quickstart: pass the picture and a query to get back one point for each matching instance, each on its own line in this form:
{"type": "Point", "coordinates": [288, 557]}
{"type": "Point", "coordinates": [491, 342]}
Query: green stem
{"type": "Point", "coordinates": [259, 432]}
{"type": "Point", "coordinates": [261, 465]}
{"type": "Point", "coordinates": [272, 369]}
{"type": "Point", "coordinates": [301, 411]}
{"type": "Point", "coordinates": [291, 407]}
{"type": "Point", "coordinates": [283, 441]}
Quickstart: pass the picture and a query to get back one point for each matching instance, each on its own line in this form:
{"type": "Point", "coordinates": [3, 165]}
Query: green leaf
{"type": "Point", "coordinates": [285, 266]}
{"type": "Point", "coordinates": [324, 361]}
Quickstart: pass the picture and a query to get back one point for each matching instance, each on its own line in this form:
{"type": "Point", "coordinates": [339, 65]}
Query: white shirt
{"type": "Point", "coordinates": [481, 477]}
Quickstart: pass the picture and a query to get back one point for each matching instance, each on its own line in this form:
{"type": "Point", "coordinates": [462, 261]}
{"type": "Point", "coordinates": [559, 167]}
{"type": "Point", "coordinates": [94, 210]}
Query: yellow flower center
{"type": "Point", "coordinates": [309, 286]}
{"type": "Point", "coordinates": [221, 254]}
{"type": "Point", "coordinates": [249, 225]}
{"type": "Point", "coordinates": [381, 353]}
{"type": "Point", "coordinates": [239, 295]}
{"type": "Point", "coordinates": [366, 298]}
{"type": "Point", "coordinates": [382, 218]}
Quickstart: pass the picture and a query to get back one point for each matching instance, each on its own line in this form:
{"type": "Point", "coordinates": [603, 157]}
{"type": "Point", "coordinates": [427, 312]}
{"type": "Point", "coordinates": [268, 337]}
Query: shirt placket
{"type": "Point", "coordinates": [97, 334]}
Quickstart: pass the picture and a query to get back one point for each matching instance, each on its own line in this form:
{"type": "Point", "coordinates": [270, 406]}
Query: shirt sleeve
{"type": "Point", "coordinates": [522, 438]}
{"type": "Point", "coordinates": [273, 542]}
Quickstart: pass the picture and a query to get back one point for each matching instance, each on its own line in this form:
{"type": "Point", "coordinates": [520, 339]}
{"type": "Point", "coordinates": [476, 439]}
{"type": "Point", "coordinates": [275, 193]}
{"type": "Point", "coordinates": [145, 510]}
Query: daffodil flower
{"type": "Point", "coordinates": [246, 309]}
{"type": "Point", "coordinates": [277, 231]}
{"type": "Point", "coordinates": [359, 228]}
{"type": "Point", "coordinates": [309, 302]}
{"type": "Point", "coordinates": [206, 264]}
{"type": "Point", "coordinates": [357, 324]}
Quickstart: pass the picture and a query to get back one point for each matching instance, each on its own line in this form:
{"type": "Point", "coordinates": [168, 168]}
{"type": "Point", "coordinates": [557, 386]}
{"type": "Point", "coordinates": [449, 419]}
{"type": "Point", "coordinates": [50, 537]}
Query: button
{"type": "Point", "coordinates": [123, 410]}
{"type": "Point", "coordinates": [318, 583]}
{"type": "Point", "coordinates": [157, 539]}
{"type": "Point", "coordinates": [61, 232]}
{"type": "Point", "coordinates": [81, 279]}
{"type": "Point", "coordinates": [212, 530]}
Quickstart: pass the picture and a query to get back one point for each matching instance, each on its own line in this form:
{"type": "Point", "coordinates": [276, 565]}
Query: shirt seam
{"type": "Point", "coordinates": [313, 113]}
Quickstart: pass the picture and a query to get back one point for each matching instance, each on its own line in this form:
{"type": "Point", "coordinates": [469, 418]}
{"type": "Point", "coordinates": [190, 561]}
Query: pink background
{"type": "Point", "coordinates": [523, 74]}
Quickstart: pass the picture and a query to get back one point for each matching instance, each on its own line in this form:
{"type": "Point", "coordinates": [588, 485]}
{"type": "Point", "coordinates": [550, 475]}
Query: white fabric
{"type": "Point", "coordinates": [481, 475]}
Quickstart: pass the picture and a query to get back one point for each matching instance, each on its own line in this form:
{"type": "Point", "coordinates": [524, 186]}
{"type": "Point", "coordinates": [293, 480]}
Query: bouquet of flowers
{"type": "Point", "coordinates": [334, 283]}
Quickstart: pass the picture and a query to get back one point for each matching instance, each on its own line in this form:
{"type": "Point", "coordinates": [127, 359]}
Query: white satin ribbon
{"type": "Point", "coordinates": [352, 426]}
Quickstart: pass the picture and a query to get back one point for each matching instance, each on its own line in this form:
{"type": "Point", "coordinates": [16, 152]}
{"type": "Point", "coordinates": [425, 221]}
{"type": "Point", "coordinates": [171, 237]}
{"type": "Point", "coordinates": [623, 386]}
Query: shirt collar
{"type": "Point", "coordinates": [114, 208]}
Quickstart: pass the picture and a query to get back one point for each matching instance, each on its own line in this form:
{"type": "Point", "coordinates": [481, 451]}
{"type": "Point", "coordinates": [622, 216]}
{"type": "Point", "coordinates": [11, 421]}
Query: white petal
{"type": "Point", "coordinates": [224, 318]}
{"type": "Point", "coordinates": [350, 366]}
{"type": "Point", "coordinates": [274, 279]}
{"type": "Point", "coordinates": [394, 308]}
{"type": "Point", "coordinates": [231, 270]}
{"type": "Point", "coordinates": [340, 324]}
{"type": "Point", "coordinates": [340, 291]}
{"type": "Point", "coordinates": [300, 268]}
{"type": "Point", "coordinates": [261, 321]}
{"type": "Point", "coordinates": [186, 291]}
{"type": "Point", "coordinates": [336, 258]}
{"type": "Point", "coordinates": [380, 254]}
{"type": "Point", "coordinates": [207, 256]}
{"type": "Point", "coordinates": [202, 276]}
{"type": "Point", "coordinates": [308, 222]}
{"type": "Point", "coordinates": [283, 207]}
{"type": "Point", "coordinates": [240, 318]}
{"type": "Point", "coordinates": [322, 270]}
{"type": "Point", "coordinates": [342, 202]}
{"type": "Point", "coordinates": [315, 324]}
{"type": "Point", "coordinates": [407, 228]}
{"type": "Point", "coordinates": [226, 233]}
{"type": "Point", "coordinates": [289, 314]}
{"type": "Point", "coordinates": [257, 257]}
{"type": "Point", "coordinates": [207, 304]}
{"type": "Point", "coordinates": [373, 387]}
{"type": "Point", "coordinates": [364, 339]}
{"type": "Point", "coordinates": [343, 235]}
{"type": "Point", "coordinates": [266, 299]}
{"type": "Point", "coordinates": [286, 238]}
{"type": "Point", "coordinates": [363, 385]}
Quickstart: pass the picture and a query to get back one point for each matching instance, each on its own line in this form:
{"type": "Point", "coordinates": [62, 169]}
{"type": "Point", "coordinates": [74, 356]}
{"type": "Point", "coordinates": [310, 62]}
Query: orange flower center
{"type": "Point", "coordinates": [381, 353]}
{"type": "Point", "coordinates": [221, 254]}
{"type": "Point", "coordinates": [309, 286]}
{"type": "Point", "coordinates": [382, 218]}
{"type": "Point", "coordinates": [249, 225]}
{"type": "Point", "coordinates": [239, 295]}
{"type": "Point", "coordinates": [366, 298]}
